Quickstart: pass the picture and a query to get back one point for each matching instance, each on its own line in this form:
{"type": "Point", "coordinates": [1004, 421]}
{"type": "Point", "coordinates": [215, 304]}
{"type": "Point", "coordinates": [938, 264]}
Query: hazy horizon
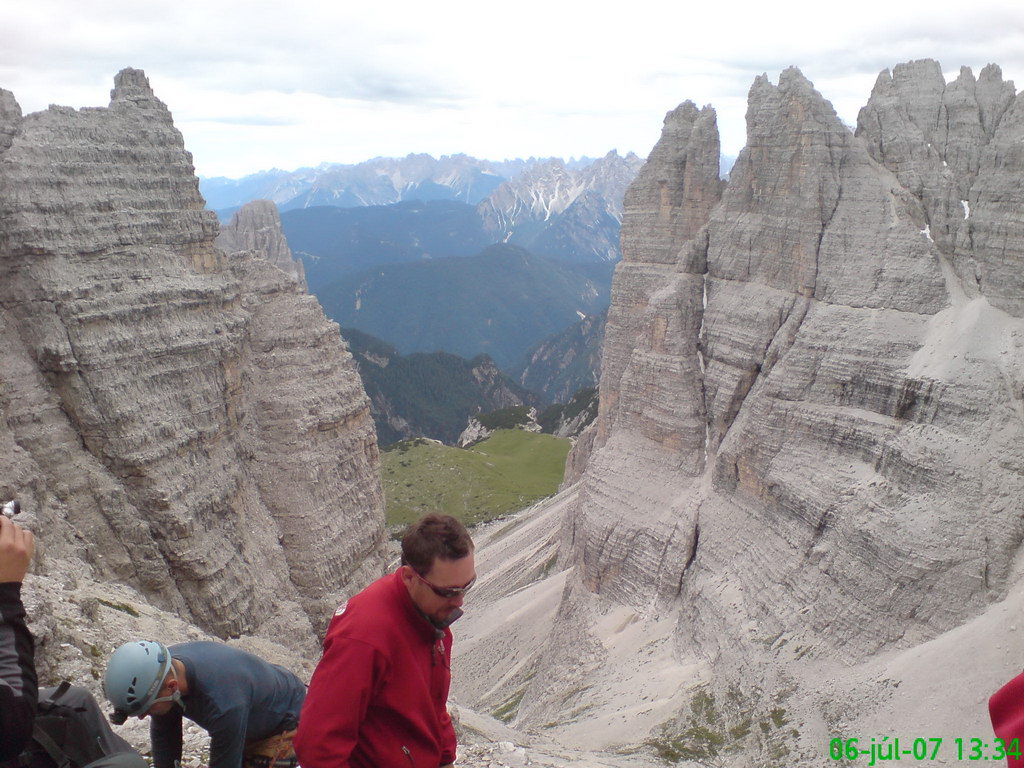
{"type": "Point", "coordinates": [260, 86]}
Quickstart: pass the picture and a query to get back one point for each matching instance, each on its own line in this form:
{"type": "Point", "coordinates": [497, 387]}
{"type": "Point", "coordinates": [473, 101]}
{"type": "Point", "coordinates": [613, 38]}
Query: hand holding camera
{"type": "Point", "coordinates": [16, 546]}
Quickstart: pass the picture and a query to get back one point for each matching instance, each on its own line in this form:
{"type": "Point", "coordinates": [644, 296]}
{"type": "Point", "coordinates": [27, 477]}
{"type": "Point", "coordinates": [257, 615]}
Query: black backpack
{"type": "Point", "coordinates": [60, 736]}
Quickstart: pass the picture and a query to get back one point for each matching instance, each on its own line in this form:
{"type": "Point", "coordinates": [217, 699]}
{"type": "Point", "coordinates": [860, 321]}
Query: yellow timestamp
{"type": "Point", "coordinates": [891, 750]}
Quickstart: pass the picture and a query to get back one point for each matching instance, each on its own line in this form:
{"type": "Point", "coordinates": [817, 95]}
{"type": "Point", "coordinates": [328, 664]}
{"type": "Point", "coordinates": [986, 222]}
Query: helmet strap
{"type": "Point", "coordinates": [175, 697]}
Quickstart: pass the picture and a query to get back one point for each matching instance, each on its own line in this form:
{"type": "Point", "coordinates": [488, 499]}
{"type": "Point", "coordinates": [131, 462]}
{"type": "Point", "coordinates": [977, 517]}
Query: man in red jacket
{"type": "Point", "coordinates": [378, 697]}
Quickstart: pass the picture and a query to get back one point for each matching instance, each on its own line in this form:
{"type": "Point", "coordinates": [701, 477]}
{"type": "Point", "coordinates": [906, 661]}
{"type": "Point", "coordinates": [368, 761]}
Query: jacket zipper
{"type": "Point", "coordinates": [408, 754]}
{"type": "Point", "coordinates": [438, 650]}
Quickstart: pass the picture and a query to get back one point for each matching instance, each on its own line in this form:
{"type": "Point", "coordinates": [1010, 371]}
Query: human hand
{"type": "Point", "coordinates": [16, 548]}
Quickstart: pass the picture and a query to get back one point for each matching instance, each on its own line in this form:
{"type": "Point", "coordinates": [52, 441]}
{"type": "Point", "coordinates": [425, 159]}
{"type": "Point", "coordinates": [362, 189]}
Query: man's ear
{"type": "Point", "coordinates": [406, 572]}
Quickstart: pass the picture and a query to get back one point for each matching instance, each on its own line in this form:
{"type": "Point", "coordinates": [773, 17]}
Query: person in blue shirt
{"type": "Point", "coordinates": [249, 707]}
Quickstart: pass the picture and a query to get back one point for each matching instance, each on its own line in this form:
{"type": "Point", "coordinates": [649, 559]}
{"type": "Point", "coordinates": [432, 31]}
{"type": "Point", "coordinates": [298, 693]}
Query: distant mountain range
{"type": "Point", "coordinates": [571, 213]}
{"type": "Point", "coordinates": [380, 181]}
{"type": "Point", "coordinates": [567, 210]}
{"type": "Point", "coordinates": [457, 254]}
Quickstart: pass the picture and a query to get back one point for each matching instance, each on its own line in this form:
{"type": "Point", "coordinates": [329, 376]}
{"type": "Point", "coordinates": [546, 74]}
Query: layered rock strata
{"type": "Point", "coordinates": [795, 351]}
{"type": "Point", "coordinates": [183, 422]}
{"type": "Point", "coordinates": [256, 226]}
{"type": "Point", "coordinates": [810, 446]}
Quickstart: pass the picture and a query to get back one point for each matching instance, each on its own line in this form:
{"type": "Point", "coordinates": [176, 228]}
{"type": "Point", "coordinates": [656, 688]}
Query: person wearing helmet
{"type": "Point", "coordinates": [135, 676]}
{"type": "Point", "coordinates": [378, 697]}
{"type": "Point", "coordinates": [249, 707]}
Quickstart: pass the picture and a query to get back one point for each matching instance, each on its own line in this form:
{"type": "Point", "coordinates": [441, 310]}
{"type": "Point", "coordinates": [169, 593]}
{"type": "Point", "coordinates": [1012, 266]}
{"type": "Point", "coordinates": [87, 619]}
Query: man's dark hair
{"type": "Point", "coordinates": [431, 537]}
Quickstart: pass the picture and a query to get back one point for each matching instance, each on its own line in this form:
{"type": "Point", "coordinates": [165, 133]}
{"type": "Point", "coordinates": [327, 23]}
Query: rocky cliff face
{"type": "Point", "coordinates": [807, 472]}
{"type": "Point", "coordinates": [563, 364]}
{"type": "Point", "coordinates": [180, 421]}
{"type": "Point", "coordinates": [956, 148]}
{"type": "Point", "coordinates": [257, 227]}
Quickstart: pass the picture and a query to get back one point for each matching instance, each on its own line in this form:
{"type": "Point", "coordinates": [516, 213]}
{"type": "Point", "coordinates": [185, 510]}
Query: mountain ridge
{"type": "Point", "coordinates": [378, 181]}
{"type": "Point", "coordinates": [498, 302]}
{"type": "Point", "coordinates": [803, 486]}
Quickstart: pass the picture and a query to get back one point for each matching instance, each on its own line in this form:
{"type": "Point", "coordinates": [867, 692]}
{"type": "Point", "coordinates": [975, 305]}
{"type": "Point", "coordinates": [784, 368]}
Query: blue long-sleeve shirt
{"type": "Point", "coordinates": [236, 696]}
{"type": "Point", "coordinates": [18, 687]}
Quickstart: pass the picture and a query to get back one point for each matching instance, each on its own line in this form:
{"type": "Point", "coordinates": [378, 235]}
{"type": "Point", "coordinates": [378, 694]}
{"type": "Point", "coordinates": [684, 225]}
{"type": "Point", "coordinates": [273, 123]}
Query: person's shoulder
{"type": "Point", "coordinates": [207, 654]}
{"type": "Point", "coordinates": [194, 648]}
{"type": "Point", "coordinates": [369, 615]}
{"type": "Point", "coordinates": [192, 645]}
{"type": "Point", "coordinates": [379, 595]}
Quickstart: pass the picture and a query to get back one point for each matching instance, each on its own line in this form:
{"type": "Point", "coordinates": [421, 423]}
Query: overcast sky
{"type": "Point", "coordinates": [256, 85]}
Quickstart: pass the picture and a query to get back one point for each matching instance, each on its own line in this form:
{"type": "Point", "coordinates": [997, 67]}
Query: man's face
{"type": "Point", "coordinates": [444, 574]}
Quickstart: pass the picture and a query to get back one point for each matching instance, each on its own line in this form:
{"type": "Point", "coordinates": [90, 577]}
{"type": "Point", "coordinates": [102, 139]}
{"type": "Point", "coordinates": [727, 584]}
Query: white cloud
{"type": "Point", "coordinates": [258, 84]}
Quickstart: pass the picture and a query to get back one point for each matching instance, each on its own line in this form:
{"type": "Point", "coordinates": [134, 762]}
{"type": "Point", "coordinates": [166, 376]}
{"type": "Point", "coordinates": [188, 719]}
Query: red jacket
{"type": "Point", "coordinates": [1006, 708]}
{"type": "Point", "coordinates": [378, 697]}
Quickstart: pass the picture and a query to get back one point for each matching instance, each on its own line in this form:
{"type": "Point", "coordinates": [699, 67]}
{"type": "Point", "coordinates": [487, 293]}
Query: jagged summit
{"type": "Point", "coordinates": [953, 146]}
{"type": "Point", "coordinates": [133, 85]}
{"type": "Point", "coordinates": [179, 421]}
{"type": "Point", "coordinates": [256, 226]}
{"type": "Point", "coordinates": [805, 482]}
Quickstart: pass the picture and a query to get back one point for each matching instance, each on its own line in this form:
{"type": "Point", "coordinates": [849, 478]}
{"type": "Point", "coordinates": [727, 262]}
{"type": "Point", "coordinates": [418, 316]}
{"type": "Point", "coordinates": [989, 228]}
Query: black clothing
{"type": "Point", "coordinates": [20, 696]}
{"type": "Point", "coordinates": [18, 686]}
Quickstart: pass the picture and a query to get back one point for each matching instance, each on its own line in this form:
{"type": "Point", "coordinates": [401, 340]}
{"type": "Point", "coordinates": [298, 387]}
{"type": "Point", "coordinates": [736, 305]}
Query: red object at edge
{"type": "Point", "coordinates": [1006, 708]}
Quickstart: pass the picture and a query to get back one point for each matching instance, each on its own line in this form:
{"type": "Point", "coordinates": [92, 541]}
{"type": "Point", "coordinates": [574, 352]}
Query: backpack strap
{"type": "Point", "coordinates": [43, 739]}
{"type": "Point", "coordinates": [63, 688]}
{"type": "Point", "coordinates": [62, 732]}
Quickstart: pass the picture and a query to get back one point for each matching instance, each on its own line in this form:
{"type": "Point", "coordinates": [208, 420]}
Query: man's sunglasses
{"type": "Point", "coordinates": [446, 592]}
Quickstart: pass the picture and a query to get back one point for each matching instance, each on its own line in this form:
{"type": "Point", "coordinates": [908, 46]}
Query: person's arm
{"type": "Point", "coordinates": [449, 741]}
{"type": "Point", "coordinates": [19, 690]}
{"type": "Point", "coordinates": [227, 738]}
{"type": "Point", "coordinates": [339, 694]}
{"type": "Point", "coordinates": [165, 735]}
{"type": "Point", "coordinates": [18, 686]}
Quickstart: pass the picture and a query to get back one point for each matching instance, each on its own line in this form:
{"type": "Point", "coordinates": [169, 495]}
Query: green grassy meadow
{"type": "Point", "coordinates": [510, 470]}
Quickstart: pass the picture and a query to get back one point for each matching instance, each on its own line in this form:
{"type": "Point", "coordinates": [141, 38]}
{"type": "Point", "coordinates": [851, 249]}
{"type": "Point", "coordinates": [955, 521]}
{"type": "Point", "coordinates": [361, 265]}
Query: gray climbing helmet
{"type": "Point", "coordinates": [135, 674]}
